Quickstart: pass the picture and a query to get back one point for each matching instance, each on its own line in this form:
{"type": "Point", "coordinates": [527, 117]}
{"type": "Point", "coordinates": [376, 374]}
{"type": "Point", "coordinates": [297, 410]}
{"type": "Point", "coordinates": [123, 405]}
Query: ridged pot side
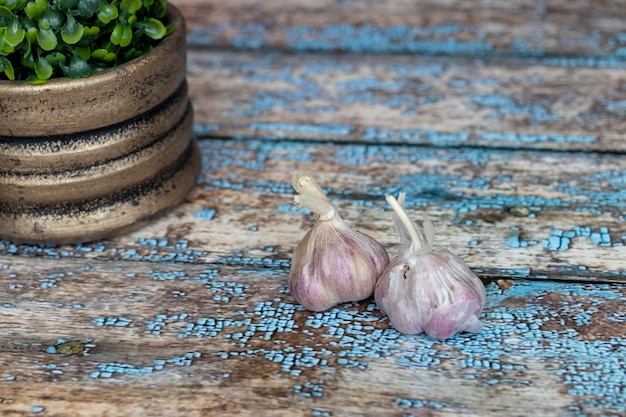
{"type": "Point", "coordinates": [95, 157]}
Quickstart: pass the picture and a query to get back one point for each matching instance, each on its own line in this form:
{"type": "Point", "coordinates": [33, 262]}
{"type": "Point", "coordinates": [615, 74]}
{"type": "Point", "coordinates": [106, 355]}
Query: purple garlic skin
{"type": "Point", "coordinates": [334, 264]}
{"type": "Point", "coordinates": [438, 295]}
{"type": "Point", "coordinates": [425, 289]}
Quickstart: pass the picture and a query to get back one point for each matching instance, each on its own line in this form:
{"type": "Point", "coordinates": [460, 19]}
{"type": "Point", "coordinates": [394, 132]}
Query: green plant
{"type": "Point", "coordinates": [42, 39]}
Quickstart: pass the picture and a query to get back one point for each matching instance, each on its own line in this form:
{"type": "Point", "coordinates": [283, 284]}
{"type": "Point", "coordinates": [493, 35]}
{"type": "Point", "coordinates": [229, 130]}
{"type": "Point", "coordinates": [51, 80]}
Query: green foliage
{"type": "Point", "coordinates": [43, 39]}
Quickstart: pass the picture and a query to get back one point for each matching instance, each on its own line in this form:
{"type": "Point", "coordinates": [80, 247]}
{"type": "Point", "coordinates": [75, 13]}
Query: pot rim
{"type": "Point", "coordinates": [68, 105]}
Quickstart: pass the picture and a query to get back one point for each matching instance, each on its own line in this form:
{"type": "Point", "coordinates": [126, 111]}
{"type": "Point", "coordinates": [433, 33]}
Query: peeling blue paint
{"type": "Point", "coordinates": [309, 389]}
{"type": "Point", "coordinates": [601, 192]}
{"type": "Point", "coordinates": [560, 240]}
{"type": "Point", "coordinates": [367, 38]}
{"type": "Point", "coordinates": [442, 39]}
{"type": "Point", "coordinates": [364, 38]}
{"type": "Point", "coordinates": [497, 356]}
{"type": "Point", "coordinates": [581, 62]}
{"type": "Point", "coordinates": [416, 135]}
{"type": "Point", "coordinates": [535, 138]}
{"type": "Point", "coordinates": [205, 214]}
{"type": "Point", "coordinates": [112, 321]}
{"type": "Point", "coordinates": [333, 130]}
{"type": "Point", "coordinates": [107, 370]}
{"type": "Point", "coordinates": [514, 241]}
{"type": "Point", "coordinates": [370, 83]}
{"type": "Point", "coordinates": [415, 403]}
{"type": "Point", "coordinates": [503, 106]}
{"type": "Point", "coordinates": [51, 280]}
{"type": "Point", "coordinates": [287, 208]}
{"type": "Point", "coordinates": [205, 129]}
{"type": "Point", "coordinates": [408, 88]}
{"type": "Point", "coordinates": [355, 335]}
{"type": "Point", "coordinates": [618, 107]}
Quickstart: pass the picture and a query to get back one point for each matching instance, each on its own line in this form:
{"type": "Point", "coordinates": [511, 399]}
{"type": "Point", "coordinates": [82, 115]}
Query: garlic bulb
{"type": "Point", "coordinates": [426, 289]}
{"type": "Point", "coordinates": [333, 263]}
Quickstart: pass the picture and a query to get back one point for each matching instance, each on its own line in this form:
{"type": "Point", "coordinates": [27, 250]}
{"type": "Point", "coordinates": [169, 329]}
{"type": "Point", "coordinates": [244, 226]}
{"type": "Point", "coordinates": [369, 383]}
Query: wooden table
{"type": "Point", "coordinates": [503, 120]}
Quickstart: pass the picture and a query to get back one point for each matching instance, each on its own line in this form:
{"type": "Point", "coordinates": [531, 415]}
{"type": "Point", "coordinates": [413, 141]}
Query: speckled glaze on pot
{"type": "Point", "coordinates": [95, 157]}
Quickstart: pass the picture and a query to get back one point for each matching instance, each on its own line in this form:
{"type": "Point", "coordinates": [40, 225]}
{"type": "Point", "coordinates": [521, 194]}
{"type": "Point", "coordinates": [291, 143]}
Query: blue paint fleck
{"type": "Point", "coordinates": [205, 214]}
{"type": "Point", "coordinates": [514, 241]}
{"type": "Point", "coordinates": [112, 321]}
{"type": "Point", "coordinates": [557, 241]}
{"type": "Point", "coordinates": [370, 83]}
{"type": "Point", "coordinates": [310, 389]}
{"type": "Point", "coordinates": [204, 129]}
{"type": "Point", "coordinates": [287, 208]}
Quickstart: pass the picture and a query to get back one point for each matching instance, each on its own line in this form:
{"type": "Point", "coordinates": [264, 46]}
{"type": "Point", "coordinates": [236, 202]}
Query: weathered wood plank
{"type": "Point", "coordinates": [418, 100]}
{"type": "Point", "coordinates": [171, 339]}
{"type": "Point", "coordinates": [191, 315]}
{"type": "Point", "coordinates": [523, 214]}
{"type": "Point", "coordinates": [596, 28]}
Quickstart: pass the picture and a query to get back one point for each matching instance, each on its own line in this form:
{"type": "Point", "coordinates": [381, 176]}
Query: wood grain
{"type": "Point", "coordinates": [242, 210]}
{"type": "Point", "coordinates": [408, 99]}
{"type": "Point", "coordinates": [168, 339]}
{"type": "Point", "coordinates": [502, 120]}
{"type": "Point", "coordinates": [471, 27]}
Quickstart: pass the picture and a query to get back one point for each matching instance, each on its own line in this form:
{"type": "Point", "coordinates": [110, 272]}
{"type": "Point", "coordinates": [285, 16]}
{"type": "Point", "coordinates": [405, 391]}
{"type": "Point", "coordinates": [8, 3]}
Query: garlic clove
{"type": "Point", "coordinates": [456, 296]}
{"type": "Point", "coordinates": [396, 297]}
{"type": "Point", "coordinates": [429, 290]}
{"type": "Point", "coordinates": [333, 263]}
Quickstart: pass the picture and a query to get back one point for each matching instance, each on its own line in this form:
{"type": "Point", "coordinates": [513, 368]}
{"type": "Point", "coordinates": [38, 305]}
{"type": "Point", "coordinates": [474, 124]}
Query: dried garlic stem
{"type": "Point", "coordinates": [304, 183]}
{"type": "Point", "coordinates": [322, 207]}
{"type": "Point", "coordinates": [404, 218]}
{"type": "Point", "coordinates": [312, 196]}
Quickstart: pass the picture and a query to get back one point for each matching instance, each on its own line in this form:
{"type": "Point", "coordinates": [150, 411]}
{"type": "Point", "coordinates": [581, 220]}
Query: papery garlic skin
{"type": "Point", "coordinates": [333, 263]}
{"type": "Point", "coordinates": [428, 290]}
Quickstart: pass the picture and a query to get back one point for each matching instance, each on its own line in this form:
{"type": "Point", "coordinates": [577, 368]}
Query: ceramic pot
{"type": "Point", "coordinates": [90, 158]}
